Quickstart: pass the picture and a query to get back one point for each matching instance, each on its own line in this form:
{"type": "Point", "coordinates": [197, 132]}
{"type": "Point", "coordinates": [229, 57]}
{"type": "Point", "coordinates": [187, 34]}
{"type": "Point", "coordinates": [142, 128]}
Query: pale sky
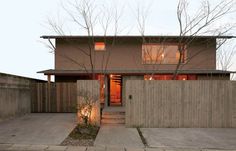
{"type": "Point", "coordinates": [23, 22]}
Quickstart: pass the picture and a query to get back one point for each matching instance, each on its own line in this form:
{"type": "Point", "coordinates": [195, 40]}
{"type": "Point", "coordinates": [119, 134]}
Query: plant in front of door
{"type": "Point", "coordinates": [86, 130]}
{"type": "Point", "coordinates": [85, 106]}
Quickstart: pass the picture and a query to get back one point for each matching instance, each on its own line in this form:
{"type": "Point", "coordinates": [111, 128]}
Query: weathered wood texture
{"type": "Point", "coordinates": [14, 95]}
{"type": "Point", "coordinates": [53, 97]}
{"type": "Point", "coordinates": [14, 100]}
{"type": "Point", "coordinates": [93, 87]}
{"type": "Point", "coordinates": [234, 102]}
{"type": "Point", "coordinates": [173, 104]}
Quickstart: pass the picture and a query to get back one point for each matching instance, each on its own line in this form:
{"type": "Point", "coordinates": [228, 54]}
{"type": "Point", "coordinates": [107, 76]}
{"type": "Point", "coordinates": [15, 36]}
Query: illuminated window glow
{"type": "Point", "coordinates": [161, 54]}
{"type": "Point", "coordinates": [100, 46]}
{"type": "Point", "coordinates": [169, 77]}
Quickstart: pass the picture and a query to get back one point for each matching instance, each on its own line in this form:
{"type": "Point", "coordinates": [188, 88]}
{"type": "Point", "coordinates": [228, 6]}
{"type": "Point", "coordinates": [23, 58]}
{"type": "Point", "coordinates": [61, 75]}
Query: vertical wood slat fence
{"type": "Point", "coordinates": [92, 88]}
{"type": "Point", "coordinates": [174, 104]}
{"type": "Point", "coordinates": [53, 97]}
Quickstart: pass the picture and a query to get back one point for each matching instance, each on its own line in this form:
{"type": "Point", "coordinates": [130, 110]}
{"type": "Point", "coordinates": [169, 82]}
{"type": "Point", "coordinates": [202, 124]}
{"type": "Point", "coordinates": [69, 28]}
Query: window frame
{"type": "Point", "coordinates": [144, 62]}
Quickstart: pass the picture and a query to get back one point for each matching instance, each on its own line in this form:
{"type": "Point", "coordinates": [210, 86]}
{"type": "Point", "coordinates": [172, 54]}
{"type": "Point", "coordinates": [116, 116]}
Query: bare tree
{"type": "Point", "coordinates": [225, 55]}
{"type": "Point", "coordinates": [86, 16]}
{"type": "Point", "coordinates": [202, 23]}
{"type": "Point", "coordinates": [156, 59]}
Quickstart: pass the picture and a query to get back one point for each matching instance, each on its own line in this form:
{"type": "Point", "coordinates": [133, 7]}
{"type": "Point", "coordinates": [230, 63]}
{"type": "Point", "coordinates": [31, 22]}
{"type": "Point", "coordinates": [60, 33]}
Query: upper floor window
{"type": "Point", "coordinates": [99, 46]}
{"type": "Point", "coordinates": [161, 54]}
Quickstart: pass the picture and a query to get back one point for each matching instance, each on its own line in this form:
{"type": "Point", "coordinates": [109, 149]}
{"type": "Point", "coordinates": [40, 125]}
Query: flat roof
{"type": "Point", "coordinates": [131, 36]}
{"type": "Point", "coordinates": [83, 72]}
{"type": "Point", "coordinates": [18, 76]}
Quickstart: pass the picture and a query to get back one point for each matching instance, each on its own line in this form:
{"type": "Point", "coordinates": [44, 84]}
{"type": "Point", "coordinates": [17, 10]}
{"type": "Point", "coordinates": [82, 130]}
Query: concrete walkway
{"type": "Point", "coordinates": [118, 136]}
{"type": "Point", "coordinates": [218, 138]}
{"type": "Point", "coordinates": [20, 147]}
{"type": "Point", "coordinates": [37, 128]}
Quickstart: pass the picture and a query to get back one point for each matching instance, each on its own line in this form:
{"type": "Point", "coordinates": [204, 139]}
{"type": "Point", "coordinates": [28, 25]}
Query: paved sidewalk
{"type": "Point", "coordinates": [220, 138]}
{"type": "Point", "coordinates": [118, 136]}
{"type": "Point", "coordinates": [21, 147]}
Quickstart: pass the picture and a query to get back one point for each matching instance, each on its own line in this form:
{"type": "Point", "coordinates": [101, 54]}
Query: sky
{"type": "Point", "coordinates": [23, 22]}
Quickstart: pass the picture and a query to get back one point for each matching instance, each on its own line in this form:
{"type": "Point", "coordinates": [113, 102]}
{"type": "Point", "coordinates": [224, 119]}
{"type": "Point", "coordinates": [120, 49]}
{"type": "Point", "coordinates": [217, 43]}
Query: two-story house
{"type": "Point", "coordinates": [114, 59]}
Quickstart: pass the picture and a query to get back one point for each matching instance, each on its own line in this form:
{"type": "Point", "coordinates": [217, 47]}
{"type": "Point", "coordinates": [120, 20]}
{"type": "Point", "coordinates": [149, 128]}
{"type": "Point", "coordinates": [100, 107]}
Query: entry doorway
{"type": "Point", "coordinates": [115, 90]}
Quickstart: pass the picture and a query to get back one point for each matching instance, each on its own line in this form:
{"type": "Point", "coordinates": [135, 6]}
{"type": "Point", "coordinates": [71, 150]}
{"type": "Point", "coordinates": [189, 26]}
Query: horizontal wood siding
{"type": "Point", "coordinates": [163, 104]}
{"type": "Point", "coordinates": [53, 97]}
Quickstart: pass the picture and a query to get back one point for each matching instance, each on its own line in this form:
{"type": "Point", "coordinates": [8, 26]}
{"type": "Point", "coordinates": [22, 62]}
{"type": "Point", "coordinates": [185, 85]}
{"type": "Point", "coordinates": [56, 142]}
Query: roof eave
{"type": "Point", "coordinates": [80, 72]}
{"type": "Point", "coordinates": [132, 36]}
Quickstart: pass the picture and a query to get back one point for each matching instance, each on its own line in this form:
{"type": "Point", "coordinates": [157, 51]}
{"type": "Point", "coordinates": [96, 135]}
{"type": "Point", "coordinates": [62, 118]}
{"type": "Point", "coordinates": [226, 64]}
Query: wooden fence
{"type": "Point", "coordinates": [92, 89]}
{"type": "Point", "coordinates": [53, 97]}
{"type": "Point", "coordinates": [173, 104]}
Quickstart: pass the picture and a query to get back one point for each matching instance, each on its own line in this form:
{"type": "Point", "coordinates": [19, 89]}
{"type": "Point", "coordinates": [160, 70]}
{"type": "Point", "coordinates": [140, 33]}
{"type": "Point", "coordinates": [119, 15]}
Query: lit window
{"type": "Point", "coordinates": [99, 46]}
{"type": "Point", "coordinates": [169, 77]}
{"type": "Point", "coordinates": [161, 54]}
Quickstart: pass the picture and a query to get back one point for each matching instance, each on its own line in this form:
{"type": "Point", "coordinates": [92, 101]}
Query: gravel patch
{"type": "Point", "coordinates": [81, 136]}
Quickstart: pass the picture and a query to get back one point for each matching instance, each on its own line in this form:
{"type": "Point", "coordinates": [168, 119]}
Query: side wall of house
{"type": "Point", "coordinates": [126, 54]}
{"type": "Point", "coordinates": [15, 95]}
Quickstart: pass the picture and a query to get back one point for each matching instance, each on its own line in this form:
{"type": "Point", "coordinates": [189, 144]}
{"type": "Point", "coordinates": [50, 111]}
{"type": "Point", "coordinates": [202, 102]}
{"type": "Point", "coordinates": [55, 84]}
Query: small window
{"type": "Point", "coordinates": [99, 46]}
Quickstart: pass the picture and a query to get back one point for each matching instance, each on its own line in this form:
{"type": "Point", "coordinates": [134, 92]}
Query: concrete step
{"type": "Point", "coordinates": [113, 121]}
{"type": "Point", "coordinates": [113, 113]}
{"type": "Point", "coordinates": [110, 124]}
{"type": "Point", "coordinates": [113, 116]}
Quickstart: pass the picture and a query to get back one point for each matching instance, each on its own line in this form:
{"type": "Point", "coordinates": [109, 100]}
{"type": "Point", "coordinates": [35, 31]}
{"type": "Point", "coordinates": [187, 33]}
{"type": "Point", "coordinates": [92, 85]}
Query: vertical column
{"type": "Point", "coordinates": [106, 90]}
{"type": "Point", "coordinates": [49, 78]}
{"type": "Point", "coordinates": [48, 108]}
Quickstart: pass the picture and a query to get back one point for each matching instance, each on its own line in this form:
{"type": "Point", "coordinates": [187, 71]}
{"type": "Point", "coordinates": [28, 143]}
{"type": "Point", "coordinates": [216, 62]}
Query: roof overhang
{"type": "Point", "coordinates": [129, 72]}
{"type": "Point", "coordinates": [134, 36]}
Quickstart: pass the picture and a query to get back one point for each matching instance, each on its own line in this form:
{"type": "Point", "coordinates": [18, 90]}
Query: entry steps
{"type": "Point", "coordinates": [113, 117]}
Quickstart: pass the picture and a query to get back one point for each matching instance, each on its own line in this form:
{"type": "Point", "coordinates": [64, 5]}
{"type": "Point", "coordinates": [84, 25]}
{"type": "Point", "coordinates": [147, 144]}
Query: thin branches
{"type": "Point", "coordinates": [86, 15]}
{"type": "Point", "coordinates": [224, 57]}
{"type": "Point", "coordinates": [200, 23]}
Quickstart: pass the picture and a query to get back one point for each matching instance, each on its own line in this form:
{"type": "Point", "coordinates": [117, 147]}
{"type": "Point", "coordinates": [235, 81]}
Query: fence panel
{"type": "Point", "coordinates": [14, 100]}
{"type": "Point", "coordinates": [53, 97]}
{"type": "Point", "coordinates": [92, 88]}
{"type": "Point", "coordinates": [176, 104]}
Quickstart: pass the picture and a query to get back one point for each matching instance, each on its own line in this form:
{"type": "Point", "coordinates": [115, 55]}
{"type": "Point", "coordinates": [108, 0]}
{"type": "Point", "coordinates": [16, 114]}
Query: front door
{"type": "Point", "coordinates": [115, 89]}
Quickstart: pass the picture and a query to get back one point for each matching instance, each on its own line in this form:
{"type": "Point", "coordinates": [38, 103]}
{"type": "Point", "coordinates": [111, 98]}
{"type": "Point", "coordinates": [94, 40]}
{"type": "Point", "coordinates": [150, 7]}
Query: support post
{"type": "Point", "coordinates": [106, 90]}
{"type": "Point", "coordinates": [49, 94]}
{"type": "Point", "coordinates": [49, 78]}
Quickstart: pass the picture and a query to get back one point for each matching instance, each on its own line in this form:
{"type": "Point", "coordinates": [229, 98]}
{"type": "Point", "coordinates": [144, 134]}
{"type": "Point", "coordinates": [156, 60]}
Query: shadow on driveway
{"type": "Point", "coordinates": [38, 128]}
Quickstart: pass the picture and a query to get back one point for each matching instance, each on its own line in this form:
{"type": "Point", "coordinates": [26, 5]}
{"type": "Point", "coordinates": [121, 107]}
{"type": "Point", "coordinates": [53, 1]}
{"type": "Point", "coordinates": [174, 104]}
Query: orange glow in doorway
{"type": "Point", "coordinates": [115, 89]}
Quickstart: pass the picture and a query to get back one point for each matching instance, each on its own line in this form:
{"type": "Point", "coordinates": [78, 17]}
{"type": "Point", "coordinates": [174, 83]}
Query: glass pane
{"type": "Point", "coordinates": [160, 54]}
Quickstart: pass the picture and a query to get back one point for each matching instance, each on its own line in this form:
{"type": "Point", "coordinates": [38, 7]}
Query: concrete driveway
{"type": "Point", "coordinates": [211, 138]}
{"type": "Point", "coordinates": [38, 128]}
